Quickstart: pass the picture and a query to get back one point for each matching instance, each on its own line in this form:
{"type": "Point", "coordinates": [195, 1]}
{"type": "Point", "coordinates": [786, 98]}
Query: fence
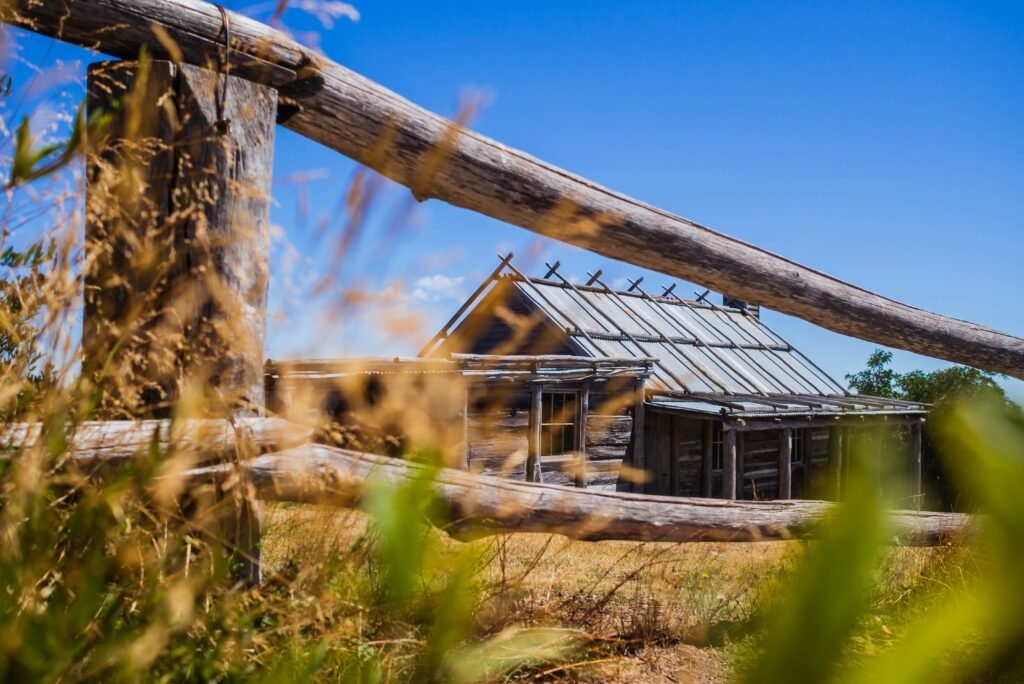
{"type": "Point", "coordinates": [436, 158]}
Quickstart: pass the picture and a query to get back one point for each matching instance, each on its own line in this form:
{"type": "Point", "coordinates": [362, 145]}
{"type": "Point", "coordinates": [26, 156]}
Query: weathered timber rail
{"type": "Point", "coordinates": [436, 158]}
{"type": "Point", "coordinates": [121, 440]}
{"type": "Point", "coordinates": [292, 470]}
{"type": "Point", "coordinates": [477, 505]}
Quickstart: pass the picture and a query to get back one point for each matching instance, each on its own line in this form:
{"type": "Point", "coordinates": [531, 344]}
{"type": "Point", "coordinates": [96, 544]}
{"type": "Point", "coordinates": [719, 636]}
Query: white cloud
{"type": "Point", "coordinates": [438, 288]}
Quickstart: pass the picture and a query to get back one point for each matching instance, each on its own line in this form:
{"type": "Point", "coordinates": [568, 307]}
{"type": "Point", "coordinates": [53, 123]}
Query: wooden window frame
{"type": "Point", "coordinates": [717, 448]}
{"type": "Point", "coordinates": [548, 421]}
{"type": "Point", "coordinates": [798, 454]}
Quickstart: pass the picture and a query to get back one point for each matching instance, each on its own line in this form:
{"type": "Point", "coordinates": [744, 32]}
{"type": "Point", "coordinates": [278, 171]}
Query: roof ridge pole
{"type": "Point", "coordinates": [620, 328]}
{"type": "Point", "coordinates": [443, 332]}
{"type": "Point", "coordinates": [759, 322]}
{"type": "Point", "coordinates": [714, 378]}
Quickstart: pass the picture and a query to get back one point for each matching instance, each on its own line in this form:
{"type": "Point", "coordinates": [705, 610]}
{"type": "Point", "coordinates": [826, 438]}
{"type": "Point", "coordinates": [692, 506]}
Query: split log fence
{"type": "Point", "coordinates": [437, 158]}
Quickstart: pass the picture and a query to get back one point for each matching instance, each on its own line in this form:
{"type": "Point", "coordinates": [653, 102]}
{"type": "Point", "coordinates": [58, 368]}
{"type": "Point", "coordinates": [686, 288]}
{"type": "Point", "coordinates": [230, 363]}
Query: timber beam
{"type": "Point", "coordinates": [477, 505]}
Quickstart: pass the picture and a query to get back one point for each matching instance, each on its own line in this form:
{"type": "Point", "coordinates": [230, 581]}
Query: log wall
{"type": "Point", "coordinates": [498, 426]}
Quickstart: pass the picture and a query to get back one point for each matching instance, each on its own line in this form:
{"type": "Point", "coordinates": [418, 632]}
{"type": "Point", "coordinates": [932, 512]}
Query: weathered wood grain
{"type": "Point", "coordinates": [438, 159]}
{"type": "Point", "coordinates": [178, 237]}
{"type": "Point", "coordinates": [478, 505]}
{"type": "Point", "coordinates": [120, 440]}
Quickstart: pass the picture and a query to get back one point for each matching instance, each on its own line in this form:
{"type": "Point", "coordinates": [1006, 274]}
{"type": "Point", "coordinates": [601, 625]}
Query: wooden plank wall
{"type": "Point", "coordinates": [674, 453]}
{"type": "Point", "coordinates": [498, 441]}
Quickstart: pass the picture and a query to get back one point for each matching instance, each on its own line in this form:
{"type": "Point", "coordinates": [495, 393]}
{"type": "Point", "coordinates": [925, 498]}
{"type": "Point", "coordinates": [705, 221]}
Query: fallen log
{"type": "Point", "coordinates": [438, 159]}
{"type": "Point", "coordinates": [477, 505]}
{"type": "Point", "coordinates": [120, 440]}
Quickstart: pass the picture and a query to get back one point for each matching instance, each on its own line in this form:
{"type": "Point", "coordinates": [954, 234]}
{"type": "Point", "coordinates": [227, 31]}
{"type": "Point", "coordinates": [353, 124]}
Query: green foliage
{"type": "Point", "coordinates": [32, 162]}
{"type": "Point", "coordinates": [21, 300]}
{"type": "Point", "coordinates": [878, 379]}
{"type": "Point", "coordinates": [828, 596]}
{"type": "Point", "coordinates": [820, 630]}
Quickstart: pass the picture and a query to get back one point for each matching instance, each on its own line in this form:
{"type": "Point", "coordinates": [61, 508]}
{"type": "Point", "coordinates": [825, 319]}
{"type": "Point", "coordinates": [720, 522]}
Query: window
{"type": "Point", "coordinates": [716, 447]}
{"type": "Point", "coordinates": [796, 456]}
{"type": "Point", "coordinates": [558, 423]}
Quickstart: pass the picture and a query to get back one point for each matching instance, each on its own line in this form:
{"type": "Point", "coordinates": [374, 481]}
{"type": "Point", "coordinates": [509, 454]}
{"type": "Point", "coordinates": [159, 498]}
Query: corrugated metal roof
{"type": "Point", "coordinates": [783, 405]}
{"type": "Point", "coordinates": [700, 347]}
{"type": "Point", "coordinates": [708, 357]}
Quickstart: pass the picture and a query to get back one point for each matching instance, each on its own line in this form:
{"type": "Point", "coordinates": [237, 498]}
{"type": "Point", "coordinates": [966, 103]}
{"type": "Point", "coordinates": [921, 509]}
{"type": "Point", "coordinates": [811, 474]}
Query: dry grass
{"type": "Point", "coordinates": [650, 611]}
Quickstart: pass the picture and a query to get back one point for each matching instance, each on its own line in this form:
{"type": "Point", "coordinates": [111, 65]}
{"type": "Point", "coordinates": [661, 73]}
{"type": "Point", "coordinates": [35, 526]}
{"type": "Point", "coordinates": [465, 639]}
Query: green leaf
{"type": "Point", "coordinates": [809, 627]}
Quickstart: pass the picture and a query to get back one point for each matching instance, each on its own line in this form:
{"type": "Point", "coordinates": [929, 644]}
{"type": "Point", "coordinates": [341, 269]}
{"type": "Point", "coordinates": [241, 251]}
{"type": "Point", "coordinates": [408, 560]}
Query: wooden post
{"type": "Point", "coordinates": [533, 465]}
{"type": "Point", "coordinates": [639, 446]}
{"type": "Point", "coordinates": [464, 456]}
{"type": "Point", "coordinates": [835, 461]}
{"type": "Point", "coordinates": [785, 464]}
{"type": "Point", "coordinates": [177, 255]}
{"type": "Point", "coordinates": [674, 455]}
{"type": "Point", "coordinates": [177, 238]}
{"type": "Point", "coordinates": [915, 462]}
{"type": "Point", "coordinates": [581, 466]}
{"type": "Point", "coordinates": [729, 463]}
{"type": "Point", "coordinates": [706, 459]}
{"type": "Point", "coordinates": [741, 465]}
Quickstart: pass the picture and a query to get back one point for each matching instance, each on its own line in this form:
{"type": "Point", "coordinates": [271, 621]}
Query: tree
{"type": "Point", "coordinates": [877, 379]}
{"type": "Point", "coordinates": [939, 387]}
{"type": "Point", "coordinates": [945, 390]}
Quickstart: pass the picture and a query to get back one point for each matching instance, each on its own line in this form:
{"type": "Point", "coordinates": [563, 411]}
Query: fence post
{"type": "Point", "coordinates": [177, 253]}
{"type": "Point", "coordinates": [177, 238]}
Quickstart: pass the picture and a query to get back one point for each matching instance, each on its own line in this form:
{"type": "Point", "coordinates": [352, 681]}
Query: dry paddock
{"type": "Point", "coordinates": [652, 612]}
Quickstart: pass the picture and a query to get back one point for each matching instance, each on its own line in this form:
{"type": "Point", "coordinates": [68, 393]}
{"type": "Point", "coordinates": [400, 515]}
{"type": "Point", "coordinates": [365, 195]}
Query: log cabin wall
{"type": "Point", "coordinates": [676, 444]}
{"type": "Point", "coordinates": [498, 426]}
{"type": "Point", "coordinates": [809, 457]}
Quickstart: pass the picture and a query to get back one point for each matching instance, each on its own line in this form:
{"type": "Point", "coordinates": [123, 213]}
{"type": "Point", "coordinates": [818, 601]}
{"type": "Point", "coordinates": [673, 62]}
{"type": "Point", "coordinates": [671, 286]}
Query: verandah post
{"type": "Point", "coordinates": [707, 458]}
{"type": "Point", "coordinates": [533, 438]}
{"type": "Point", "coordinates": [581, 466]}
{"type": "Point", "coordinates": [729, 462]}
{"type": "Point", "coordinates": [915, 463]}
{"type": "Point", "coordinates": [835, 461]}
{"type": "Point", "coordinates": [639, 433]}
{"type": "Point", "coordinates": [177, 254]}
{"type": "Point", "coordinates": [785, 463]}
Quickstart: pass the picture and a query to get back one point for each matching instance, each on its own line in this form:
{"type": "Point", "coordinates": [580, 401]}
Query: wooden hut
{"type": "Point", "coordinates": [730, 408]}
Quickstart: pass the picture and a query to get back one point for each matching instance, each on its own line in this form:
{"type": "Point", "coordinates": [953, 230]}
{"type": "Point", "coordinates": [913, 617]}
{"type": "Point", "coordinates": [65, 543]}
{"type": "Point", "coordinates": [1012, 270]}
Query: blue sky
{"type": "Point", "coordinates": [880, 142]}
